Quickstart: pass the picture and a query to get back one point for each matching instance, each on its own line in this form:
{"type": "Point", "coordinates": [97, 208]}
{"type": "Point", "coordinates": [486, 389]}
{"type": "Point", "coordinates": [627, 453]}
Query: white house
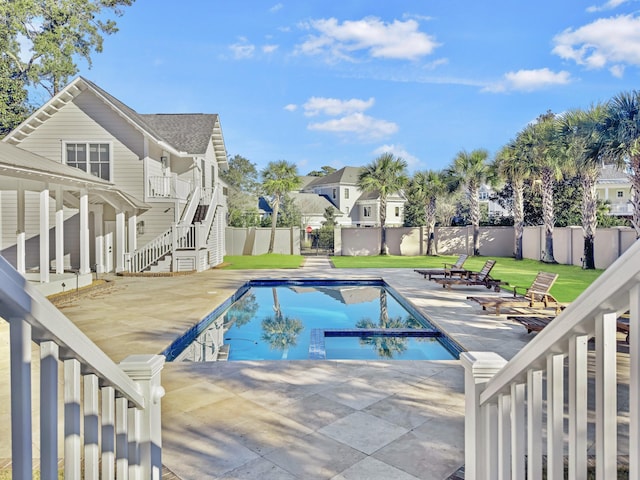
{"type": "Point", "coordinates": [165, 210]}
{"type": "Point", "coordinates": [363, 209]}
{"type": "Point", "coordinates": [614, 186]}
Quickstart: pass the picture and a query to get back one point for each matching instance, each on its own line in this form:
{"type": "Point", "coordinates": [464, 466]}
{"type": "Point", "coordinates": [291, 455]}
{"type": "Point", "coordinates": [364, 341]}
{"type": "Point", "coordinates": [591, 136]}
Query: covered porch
{"type": "Point", "coordinates": [67, 223]}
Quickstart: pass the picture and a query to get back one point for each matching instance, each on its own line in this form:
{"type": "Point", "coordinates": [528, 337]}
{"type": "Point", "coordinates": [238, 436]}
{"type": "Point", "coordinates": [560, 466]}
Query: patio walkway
{"type": "Point", "coordinates": [290, 420]}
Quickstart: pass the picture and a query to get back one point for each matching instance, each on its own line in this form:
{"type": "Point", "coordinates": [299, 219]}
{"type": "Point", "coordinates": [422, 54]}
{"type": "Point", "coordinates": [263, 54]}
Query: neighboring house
{"type": "Point", "coordinates": [172, 214]}
{"type": "Point", "coordinates": [494, 209]}
{"type": "Point", "coordinates": [312, 208]}
{"type": "Point", "coordinates": [614, 186]}
{"type": "Point", "coordinates": [363, 209]}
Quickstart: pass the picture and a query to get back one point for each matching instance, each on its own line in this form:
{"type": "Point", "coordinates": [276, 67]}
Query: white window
{"type": "Point", "coordinates": [483, 196]}
{"type": "Point", "coordinates": [334, 193]}
{"type": "Point", "coordinates": [397, 211]}
{"type": "Point", "coordinates": [93, 158]}
{"type": "Point", "coordinates": [366, 211]}
{"type": "Point", "coordinates": [620, 194]}
{"type": "Point", "coordinates": [346, 193]}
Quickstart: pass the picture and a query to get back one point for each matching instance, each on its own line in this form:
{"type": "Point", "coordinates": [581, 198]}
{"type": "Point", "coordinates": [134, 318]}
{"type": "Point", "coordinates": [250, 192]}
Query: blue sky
{"type": "Point", "coordinates": [337, 83]}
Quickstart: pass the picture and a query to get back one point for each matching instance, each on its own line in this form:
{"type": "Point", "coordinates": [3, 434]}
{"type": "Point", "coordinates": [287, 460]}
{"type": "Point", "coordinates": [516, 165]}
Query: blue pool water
{"type": "Point", "coordinates": [294, 320]}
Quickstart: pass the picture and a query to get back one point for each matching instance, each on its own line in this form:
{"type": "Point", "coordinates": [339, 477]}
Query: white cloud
{"type": "Point", "coordinates": [530, 80]}
{"type": "Point", "coordinates": [413, 162]}
{"type": "Point", "coordinates": [397, 40]}
{"type": "Point", "coordinates": [610, 5]}
{"type": "Point", "coordinates": [269, 48]}
{"type": "Point", "coordinates": [613, 41]}
{"type": "Point", "coordinates": [363, 126]}
{"type": "Point", "coordinates": [333, 106]}
{"type": "Point", "coordinates": [292, 107]}
{"type": "Point", "coordinates": [242, 49]}
{"type": "Point", "coordinates": [276, 7]}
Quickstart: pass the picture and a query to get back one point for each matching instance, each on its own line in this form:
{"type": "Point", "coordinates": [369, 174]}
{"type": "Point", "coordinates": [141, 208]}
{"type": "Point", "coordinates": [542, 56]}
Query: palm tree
{"type": "Point", "coordinates": [515, 168]}
{"type": "Point", "coordinates": [581, 131]}
{"type": "Point", "coordinates": [278, 179]}
{"type": "Point", "coordinates": [470, 170]}
{"type": "Point", "coordinates": [541, 143]}
{"type": "Point", "coordinates": [386, 175]}
{"type": "Point", "coordinates": [432, 186]}
{"type": "Point", "coordinates": [621, 130]}
{"type": "Point", "coordinates": [280, 331]}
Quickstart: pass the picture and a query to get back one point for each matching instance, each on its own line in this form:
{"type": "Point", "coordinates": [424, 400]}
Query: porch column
{"type": "Point", "coordinates": [84, 232]}
{"type": "Point", "coordinates": [99, 237]}
{"type": "Point", "coordinates": [59, 232]}
{"type": "Point", "coordinates": [120, 241]}
{"type": "Point", "coordinates": [44, 235]}
{"type": "Point", "coordinates": [20, 234]}
{"type": "Point", "coordinates": [132, 233]}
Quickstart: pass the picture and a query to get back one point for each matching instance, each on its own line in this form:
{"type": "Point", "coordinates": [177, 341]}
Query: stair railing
{"type": "Point", "coordinates": [121, 437]}
{"type": "Point", "coordinates": [502, 442]}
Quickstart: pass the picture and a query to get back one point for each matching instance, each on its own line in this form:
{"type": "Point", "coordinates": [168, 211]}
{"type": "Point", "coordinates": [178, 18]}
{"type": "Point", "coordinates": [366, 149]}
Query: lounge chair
{"type": "Point", "coordinates": [483, 277]}
{"type": "Point", "coordinates": [536, 296]}
{"type": "Point", "coordinates": [535, 323]}
{"type": "Point", "coordinates": [447, 270]}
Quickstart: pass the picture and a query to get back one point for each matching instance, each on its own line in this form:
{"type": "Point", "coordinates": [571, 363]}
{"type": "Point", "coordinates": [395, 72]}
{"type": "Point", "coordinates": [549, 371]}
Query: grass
{"type": "Point", "coordinates": [266, 261]}
{"type": "Point", "coordinates": [571, 282]}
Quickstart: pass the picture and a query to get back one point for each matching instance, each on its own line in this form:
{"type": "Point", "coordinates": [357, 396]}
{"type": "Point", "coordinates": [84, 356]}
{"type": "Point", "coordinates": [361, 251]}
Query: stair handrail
{"type": "Point", "coordinates": [134, 383]}
{"type": "Point", "coordinates": [153, 251]}
{"type": "Point", "coordinates": [192, 205]}
{"type": "Point", "coordinates": [207, 223]}
{"type": "Point", "coordinates": [495, 389]}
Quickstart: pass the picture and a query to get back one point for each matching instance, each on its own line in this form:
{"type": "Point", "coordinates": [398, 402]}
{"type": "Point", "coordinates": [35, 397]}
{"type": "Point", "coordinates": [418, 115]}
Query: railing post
{"type": "Point", "coordinates": [145, 370]}
{"type": "Point", "coordinates": [21, 449]}
{"type": "Point", "coordinates": [479, 368]}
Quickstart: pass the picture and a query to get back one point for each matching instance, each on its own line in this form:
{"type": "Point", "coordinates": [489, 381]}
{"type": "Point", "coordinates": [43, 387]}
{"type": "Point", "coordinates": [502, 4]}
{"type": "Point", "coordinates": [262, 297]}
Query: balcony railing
{"type": "Point", "coordinates": [168, 186]}
{"type": "Point", "coordinates": [507, 402]}
{"type": "Point", "coordinates": [621, 209]}
{"type": "Point", "coordinates": [119, 405]}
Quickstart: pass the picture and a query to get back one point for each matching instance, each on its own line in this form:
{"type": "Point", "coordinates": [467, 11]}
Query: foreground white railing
{"type": "Point", "coordinates": [119, 404]}
{"type": "Point", "coordinates": [505, 404]}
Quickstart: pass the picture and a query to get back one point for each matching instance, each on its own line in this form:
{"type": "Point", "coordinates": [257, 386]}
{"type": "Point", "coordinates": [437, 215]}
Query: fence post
{"type": "Point", "coordinates": [479, 368]}
{"type": "Point", "coordinates": [145, 370]}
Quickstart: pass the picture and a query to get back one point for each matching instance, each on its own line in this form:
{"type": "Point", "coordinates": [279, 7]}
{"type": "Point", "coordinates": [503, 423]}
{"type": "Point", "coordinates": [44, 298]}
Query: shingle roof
{"type": "Point", "coordinates": [612, 172]}
{"type": "Point", "coordinates": [345, 176]}
{"type": "Point", "coordinates": [312, 204]}
{"type": "Point", "coordinates": [187, 132]}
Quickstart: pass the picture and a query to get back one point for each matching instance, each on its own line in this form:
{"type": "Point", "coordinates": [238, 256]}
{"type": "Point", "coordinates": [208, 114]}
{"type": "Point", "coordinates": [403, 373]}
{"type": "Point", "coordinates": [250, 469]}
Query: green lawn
{"type": "Point", "coordinates": [266, 261]}
{"type": "Point", "coordinates": [571, 281]}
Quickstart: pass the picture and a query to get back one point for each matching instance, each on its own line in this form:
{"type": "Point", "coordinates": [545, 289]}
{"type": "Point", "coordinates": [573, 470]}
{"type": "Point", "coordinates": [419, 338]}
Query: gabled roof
{"type": "Point", "coordinates": [613, 174]}
{"type": "Point", "coordinates": [185, 131]}
{"type": "Point", "coordinates": [17, 164]}
{"type": "Point", "coordinates": [345, 176]}
{"type": "Point", "coordinates": [312, 204]}
{"type": "Point", "coordinates": [172, 132]}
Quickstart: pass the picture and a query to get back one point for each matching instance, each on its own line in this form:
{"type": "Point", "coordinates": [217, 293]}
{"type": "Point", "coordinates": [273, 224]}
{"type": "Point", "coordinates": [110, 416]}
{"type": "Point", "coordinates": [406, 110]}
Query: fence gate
{"type": "Point", "coordinates": [316, 242]}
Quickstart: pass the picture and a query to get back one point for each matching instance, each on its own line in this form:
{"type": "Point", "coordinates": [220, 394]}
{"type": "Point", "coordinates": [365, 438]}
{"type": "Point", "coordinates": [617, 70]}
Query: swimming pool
{"type": "Point", "coordinates": [311, 319]}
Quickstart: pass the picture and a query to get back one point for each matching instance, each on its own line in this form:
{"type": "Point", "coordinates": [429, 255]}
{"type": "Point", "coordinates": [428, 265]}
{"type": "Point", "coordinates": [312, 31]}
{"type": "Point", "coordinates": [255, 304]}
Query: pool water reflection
{"type": "Point", "coordinates": [302, 320]}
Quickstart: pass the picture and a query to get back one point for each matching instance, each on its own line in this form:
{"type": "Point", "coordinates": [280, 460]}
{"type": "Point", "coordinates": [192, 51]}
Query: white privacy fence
{"type": "Point", "coordinates": [516, 410]}
{"type": "Point", "coordinates": [111, 417]}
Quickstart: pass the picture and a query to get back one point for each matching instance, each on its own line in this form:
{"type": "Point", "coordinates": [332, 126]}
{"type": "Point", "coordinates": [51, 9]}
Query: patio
{"type": "Point", "coordinates": [293, 419]}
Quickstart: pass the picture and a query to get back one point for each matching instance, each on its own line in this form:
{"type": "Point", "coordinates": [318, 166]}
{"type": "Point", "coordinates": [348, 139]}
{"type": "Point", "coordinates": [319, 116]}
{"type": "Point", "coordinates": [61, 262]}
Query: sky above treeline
{"type": "Point", "coordinates": [338, 83]}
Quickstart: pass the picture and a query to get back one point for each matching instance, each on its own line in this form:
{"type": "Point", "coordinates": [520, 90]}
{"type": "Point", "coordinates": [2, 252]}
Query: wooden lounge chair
{"type": "Point", "coordinates": [536, 296]}
{"type": "Point", "coordinates": [483, 277]}
{"type": "Point", "coordinates": [535, 323]}
{"type": "Point", "coordinates": [447, 270]}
